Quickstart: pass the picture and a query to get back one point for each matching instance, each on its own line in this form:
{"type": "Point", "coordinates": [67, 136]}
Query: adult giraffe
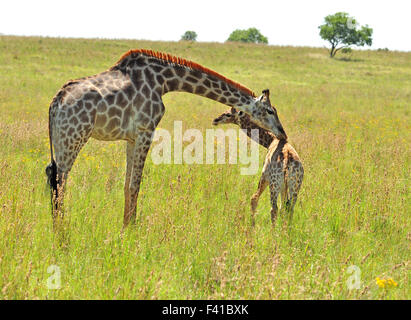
{"type": "Point", "coordinates": [124, 103]}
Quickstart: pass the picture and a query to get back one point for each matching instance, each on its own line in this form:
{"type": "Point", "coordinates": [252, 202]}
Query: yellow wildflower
{"type": "Point", "coordinates": [386, 283]}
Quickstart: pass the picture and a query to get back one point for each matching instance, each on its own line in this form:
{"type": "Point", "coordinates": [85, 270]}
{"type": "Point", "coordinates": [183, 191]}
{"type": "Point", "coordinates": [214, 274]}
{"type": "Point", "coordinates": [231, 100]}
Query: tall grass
{"type": "Point", "coordinates": [349, 120]}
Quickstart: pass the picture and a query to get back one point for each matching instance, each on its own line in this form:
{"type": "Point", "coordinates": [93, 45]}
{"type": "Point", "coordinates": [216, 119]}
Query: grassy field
{"type": "Point", "coordinates": [348, 118]}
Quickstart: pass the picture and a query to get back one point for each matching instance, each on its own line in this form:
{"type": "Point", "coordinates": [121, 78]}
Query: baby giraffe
{"type": "Point", "coordinates": [282, 170]}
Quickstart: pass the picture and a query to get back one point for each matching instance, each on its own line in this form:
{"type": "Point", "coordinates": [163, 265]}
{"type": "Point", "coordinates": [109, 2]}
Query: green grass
{"type": "Point", "coordinates": [349, 120]}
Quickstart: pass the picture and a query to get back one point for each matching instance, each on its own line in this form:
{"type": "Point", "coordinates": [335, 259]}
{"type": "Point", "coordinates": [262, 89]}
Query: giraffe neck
{"type": "Point", "coordinates": [265, 138]}
{"type": "Point", "coordinates": [165, 76]}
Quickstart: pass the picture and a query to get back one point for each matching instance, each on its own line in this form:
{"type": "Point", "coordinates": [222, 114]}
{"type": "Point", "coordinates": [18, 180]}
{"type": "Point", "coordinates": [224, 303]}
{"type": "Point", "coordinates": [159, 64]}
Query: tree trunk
{"type": "Point", "coordinates": [332, 52]}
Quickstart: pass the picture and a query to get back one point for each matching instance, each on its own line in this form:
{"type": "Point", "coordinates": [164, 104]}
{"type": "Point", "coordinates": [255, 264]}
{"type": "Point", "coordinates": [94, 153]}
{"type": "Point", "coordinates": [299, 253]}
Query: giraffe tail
{"type": "Point", "coordinates": [51, 169]}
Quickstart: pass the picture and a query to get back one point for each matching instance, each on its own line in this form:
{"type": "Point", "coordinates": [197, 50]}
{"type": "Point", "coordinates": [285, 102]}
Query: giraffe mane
{"type": "Point", "coordinates": [166, 57]}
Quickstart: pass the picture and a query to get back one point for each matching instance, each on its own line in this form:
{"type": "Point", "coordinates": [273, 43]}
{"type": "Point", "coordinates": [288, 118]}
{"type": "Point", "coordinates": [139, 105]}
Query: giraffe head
{"type": "Point", "coordinates": [265, 115]}
{"type": "Point", "coordinates": [230, 116]}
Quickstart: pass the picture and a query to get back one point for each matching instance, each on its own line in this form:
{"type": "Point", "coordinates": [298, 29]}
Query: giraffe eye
{"type": "Point", "coordinates": [270, 111]}
{"type": "Point", "coordinates": [240, 113]}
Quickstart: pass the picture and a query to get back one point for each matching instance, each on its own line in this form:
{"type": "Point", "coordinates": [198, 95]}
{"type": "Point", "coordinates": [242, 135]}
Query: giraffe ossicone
{"type": "Point", "coordinates": [125, 103]}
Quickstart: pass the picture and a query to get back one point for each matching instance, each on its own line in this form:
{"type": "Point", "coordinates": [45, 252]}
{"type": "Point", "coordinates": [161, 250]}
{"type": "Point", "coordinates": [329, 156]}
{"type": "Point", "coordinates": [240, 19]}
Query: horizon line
{"type": "Point", "coordinates": [201, 42]}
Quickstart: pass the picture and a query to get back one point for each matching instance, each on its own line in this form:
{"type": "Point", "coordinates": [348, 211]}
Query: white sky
{"type": "Point", "coordinates": [285, 22]}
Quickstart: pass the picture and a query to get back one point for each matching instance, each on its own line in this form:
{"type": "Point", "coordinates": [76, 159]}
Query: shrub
{"type": "Point", "coordinates": [189, 36]}
{"type": "Point", "coordinates": [251, 35]}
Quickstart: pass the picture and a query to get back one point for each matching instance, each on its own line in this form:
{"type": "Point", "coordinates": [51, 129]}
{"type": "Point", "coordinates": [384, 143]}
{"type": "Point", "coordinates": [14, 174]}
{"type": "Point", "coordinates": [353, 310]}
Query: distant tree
{"type": "Point", "coordinates": [189, 36]}
{"type": "Point", "coordinates": [251, 35]}
{"type": "Point", "coordinates": [342, 31]}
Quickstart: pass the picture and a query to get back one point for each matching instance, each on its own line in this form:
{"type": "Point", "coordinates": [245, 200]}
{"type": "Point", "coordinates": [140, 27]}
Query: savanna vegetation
{"type": "Point", "coordinates": [250, 35]}
{"type": "Point", "coordinates": [348, 118]}
{"type": "Point", "coordinates": [189, 36]}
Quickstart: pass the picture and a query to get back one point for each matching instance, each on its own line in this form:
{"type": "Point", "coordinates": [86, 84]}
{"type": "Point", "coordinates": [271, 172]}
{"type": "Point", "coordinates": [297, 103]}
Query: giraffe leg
{"type": "Point", "coordinates": [262, 184]}
{"type": "Point", "coordinates": [274, 191]}
{"type": "Point", "coordinates": [57, 196]}
{"type": "Point", "coordinates": [129, 172]}
{"type": "Point", "coordinates": [284, 195]}
{"type": "Point", "coordinates": [290, 206]}
{"type": "Point", "coordinates": [65, 155]}
{"type": "Point", "coordinates": [67, 143]}
{"type": "Point", "coordinates": [140, 150]}
{"type": "Point", "coordinates": [295, 180]}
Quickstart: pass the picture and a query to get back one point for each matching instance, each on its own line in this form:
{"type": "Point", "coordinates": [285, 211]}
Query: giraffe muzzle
{"type": "Point", "coordinates": [282, 135]}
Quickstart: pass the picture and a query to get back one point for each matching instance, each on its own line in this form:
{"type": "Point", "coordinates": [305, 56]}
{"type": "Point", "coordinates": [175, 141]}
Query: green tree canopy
{"type": "Point", "coordinates": [251, 35]}
{"type": "Point", "coordinates": [342, 31]}
{"type": "Point", "coordinates": [189, 36]}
